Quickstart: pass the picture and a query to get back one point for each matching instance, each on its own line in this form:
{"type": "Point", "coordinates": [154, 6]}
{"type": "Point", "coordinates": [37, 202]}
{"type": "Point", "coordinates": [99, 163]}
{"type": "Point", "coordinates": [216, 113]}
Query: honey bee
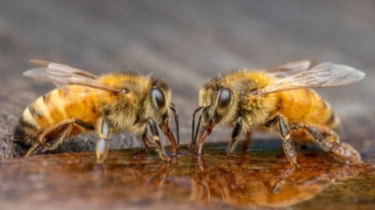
{"type": "Point", "coordinates": [108, 103]}
{"type": "Point", "coordinates": [278, 99]}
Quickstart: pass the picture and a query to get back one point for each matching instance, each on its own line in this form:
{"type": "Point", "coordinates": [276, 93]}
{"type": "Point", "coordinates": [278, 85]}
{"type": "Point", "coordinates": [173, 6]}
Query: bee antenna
{"type": "Point", "coordinates": [175, 114]}
{"type": "Point", "coordinates": [193, 134]}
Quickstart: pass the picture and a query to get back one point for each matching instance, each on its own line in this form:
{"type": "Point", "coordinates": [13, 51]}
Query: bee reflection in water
{"type": "Point", "coordinates": [138, 179]}
{"type": "Point", "coordinates": [277, 185]}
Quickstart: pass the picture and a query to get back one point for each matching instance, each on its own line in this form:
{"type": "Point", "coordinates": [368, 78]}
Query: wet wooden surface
{"type": "Point", "coordinates": [259, 179]}
{"type": "Point", "coordinates": [185, 43]}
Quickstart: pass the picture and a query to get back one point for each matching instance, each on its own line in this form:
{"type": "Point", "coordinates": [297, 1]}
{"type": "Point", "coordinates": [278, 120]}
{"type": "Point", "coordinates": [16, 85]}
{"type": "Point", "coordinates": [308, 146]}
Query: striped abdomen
{"type": "Point", "coordinates": [305, 107]}
{"type": "Point", "coordinates": [71, 102]}
{"type": "Point", "coordinates": [308, 107]}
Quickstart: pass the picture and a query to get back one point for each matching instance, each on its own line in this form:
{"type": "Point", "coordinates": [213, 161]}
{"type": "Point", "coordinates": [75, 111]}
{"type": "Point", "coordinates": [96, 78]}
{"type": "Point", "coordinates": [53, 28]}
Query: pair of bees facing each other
{"type": "Point", "coordinates": [278, 99]}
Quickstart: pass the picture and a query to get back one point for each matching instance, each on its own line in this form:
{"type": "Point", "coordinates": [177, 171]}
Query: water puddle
{"type": "Point", "coordinates": [258, 179]}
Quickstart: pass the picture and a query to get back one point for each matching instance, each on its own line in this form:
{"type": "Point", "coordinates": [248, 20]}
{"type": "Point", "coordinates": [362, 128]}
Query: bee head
{"type": "Point", "coordinates": [157, 109]}
{"type": "Point", "coordinates": [216, 104]}
{"type": "Point", "coordinates": [160, 100]}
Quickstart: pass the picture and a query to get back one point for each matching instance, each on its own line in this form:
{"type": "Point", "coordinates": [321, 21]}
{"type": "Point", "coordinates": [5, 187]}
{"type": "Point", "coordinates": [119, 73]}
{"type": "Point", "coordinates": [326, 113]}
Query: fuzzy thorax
{"type": "Point", "coordinates": [129, 111]}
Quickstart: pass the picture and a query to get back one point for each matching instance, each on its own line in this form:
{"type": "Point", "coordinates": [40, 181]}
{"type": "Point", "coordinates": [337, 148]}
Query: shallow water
{"type": "Point", "coordinates": [257, 179]}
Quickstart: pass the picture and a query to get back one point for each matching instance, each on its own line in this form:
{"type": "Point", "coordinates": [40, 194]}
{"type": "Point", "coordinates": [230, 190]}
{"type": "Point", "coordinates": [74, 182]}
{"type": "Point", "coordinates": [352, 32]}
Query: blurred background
{"type": "Point", "coordinates": [186, 43]}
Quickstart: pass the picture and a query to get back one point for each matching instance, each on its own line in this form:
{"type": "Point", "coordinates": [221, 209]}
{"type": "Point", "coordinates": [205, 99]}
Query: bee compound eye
{"type": "Point", "coordinates": [158, 97]}
{"type": "Point", "coordinates": [225, 97]}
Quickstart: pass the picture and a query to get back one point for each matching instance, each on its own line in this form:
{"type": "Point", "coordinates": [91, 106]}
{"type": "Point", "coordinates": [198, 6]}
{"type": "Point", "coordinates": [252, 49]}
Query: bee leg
{"type": "Point", "coordinates": [156, 138]}
{"type": "Point", "coordinates": [148, 146]}
{"type": "Point", "coordinates": [235, 134]}
{"type": "Point", "coordinates": [288, 145]}
{"type": "Point", "coordinates": [65, 128]}
{"type": "Point", "coordinates": [172, 140]}
{"type": "Point", "coordinates": [102, 146]}
{"type": "Point", "coordinates": [32, 149]}
{"type": "Point", "coordinates": [247, 143]}
{"type": "Point", "coordinates": [175, 114]}
{"type": "Point", "coordinates": [42, 138]}
{"type": "Point", "coordinates": [280, 181]}
{"type": "Point", "coordinates": [194, 134]}
{"type": "Point", "coordinates": [61, 137]}
{"type": "Point", "coordinates": [200, 187]}
{"type": "Point", "coordinates": [329, 141]}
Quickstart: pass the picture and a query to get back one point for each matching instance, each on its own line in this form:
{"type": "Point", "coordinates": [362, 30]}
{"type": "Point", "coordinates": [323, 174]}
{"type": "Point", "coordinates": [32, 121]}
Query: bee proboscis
{"type": "Point", "coordinates": [123, 101]}
{"type": "Point", "coordinates": [278, 99]}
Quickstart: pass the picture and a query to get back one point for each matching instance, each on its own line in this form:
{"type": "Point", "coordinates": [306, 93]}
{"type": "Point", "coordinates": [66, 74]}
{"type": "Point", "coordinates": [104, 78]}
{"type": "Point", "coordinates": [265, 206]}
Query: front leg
{"type": "Point", "coordinates": [156, 138]}
{"type": "Point", "coordinates": [235, 134]}
{"type": "Point", "coordinates": [172, 140]}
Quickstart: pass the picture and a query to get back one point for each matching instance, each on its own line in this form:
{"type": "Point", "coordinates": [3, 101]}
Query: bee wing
{"type": "Point", "coordinates": [321, 75]}
{"type": "Point", "coordinates": [291, 68]}
{"type": "Point", "coordinates": [62, 75]}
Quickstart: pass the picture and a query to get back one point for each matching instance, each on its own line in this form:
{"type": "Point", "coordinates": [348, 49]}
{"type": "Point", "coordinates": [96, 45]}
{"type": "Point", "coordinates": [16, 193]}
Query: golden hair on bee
{"type": "Point", "coordinates": [123, 101]}
{"type": "Point", "coordinates": [278, 99]}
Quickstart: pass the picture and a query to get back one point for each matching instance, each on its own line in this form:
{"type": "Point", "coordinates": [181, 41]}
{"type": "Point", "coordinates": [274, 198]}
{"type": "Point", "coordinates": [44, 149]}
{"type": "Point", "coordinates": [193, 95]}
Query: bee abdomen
{"type": "Point", "coordinates": [25, 131]}
{"type": "Point", "coordinates": [34, 117]}
{"type": "Point", "coordinates": [332, 120]}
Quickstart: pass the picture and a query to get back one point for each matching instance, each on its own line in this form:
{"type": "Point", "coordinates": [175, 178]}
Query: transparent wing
{"type": "Point", "coordinates": [62, 75]}
{"type": "Point", "coordinates": [321, 75]}
{"type": "Point", "coordinates": [291, 68]}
